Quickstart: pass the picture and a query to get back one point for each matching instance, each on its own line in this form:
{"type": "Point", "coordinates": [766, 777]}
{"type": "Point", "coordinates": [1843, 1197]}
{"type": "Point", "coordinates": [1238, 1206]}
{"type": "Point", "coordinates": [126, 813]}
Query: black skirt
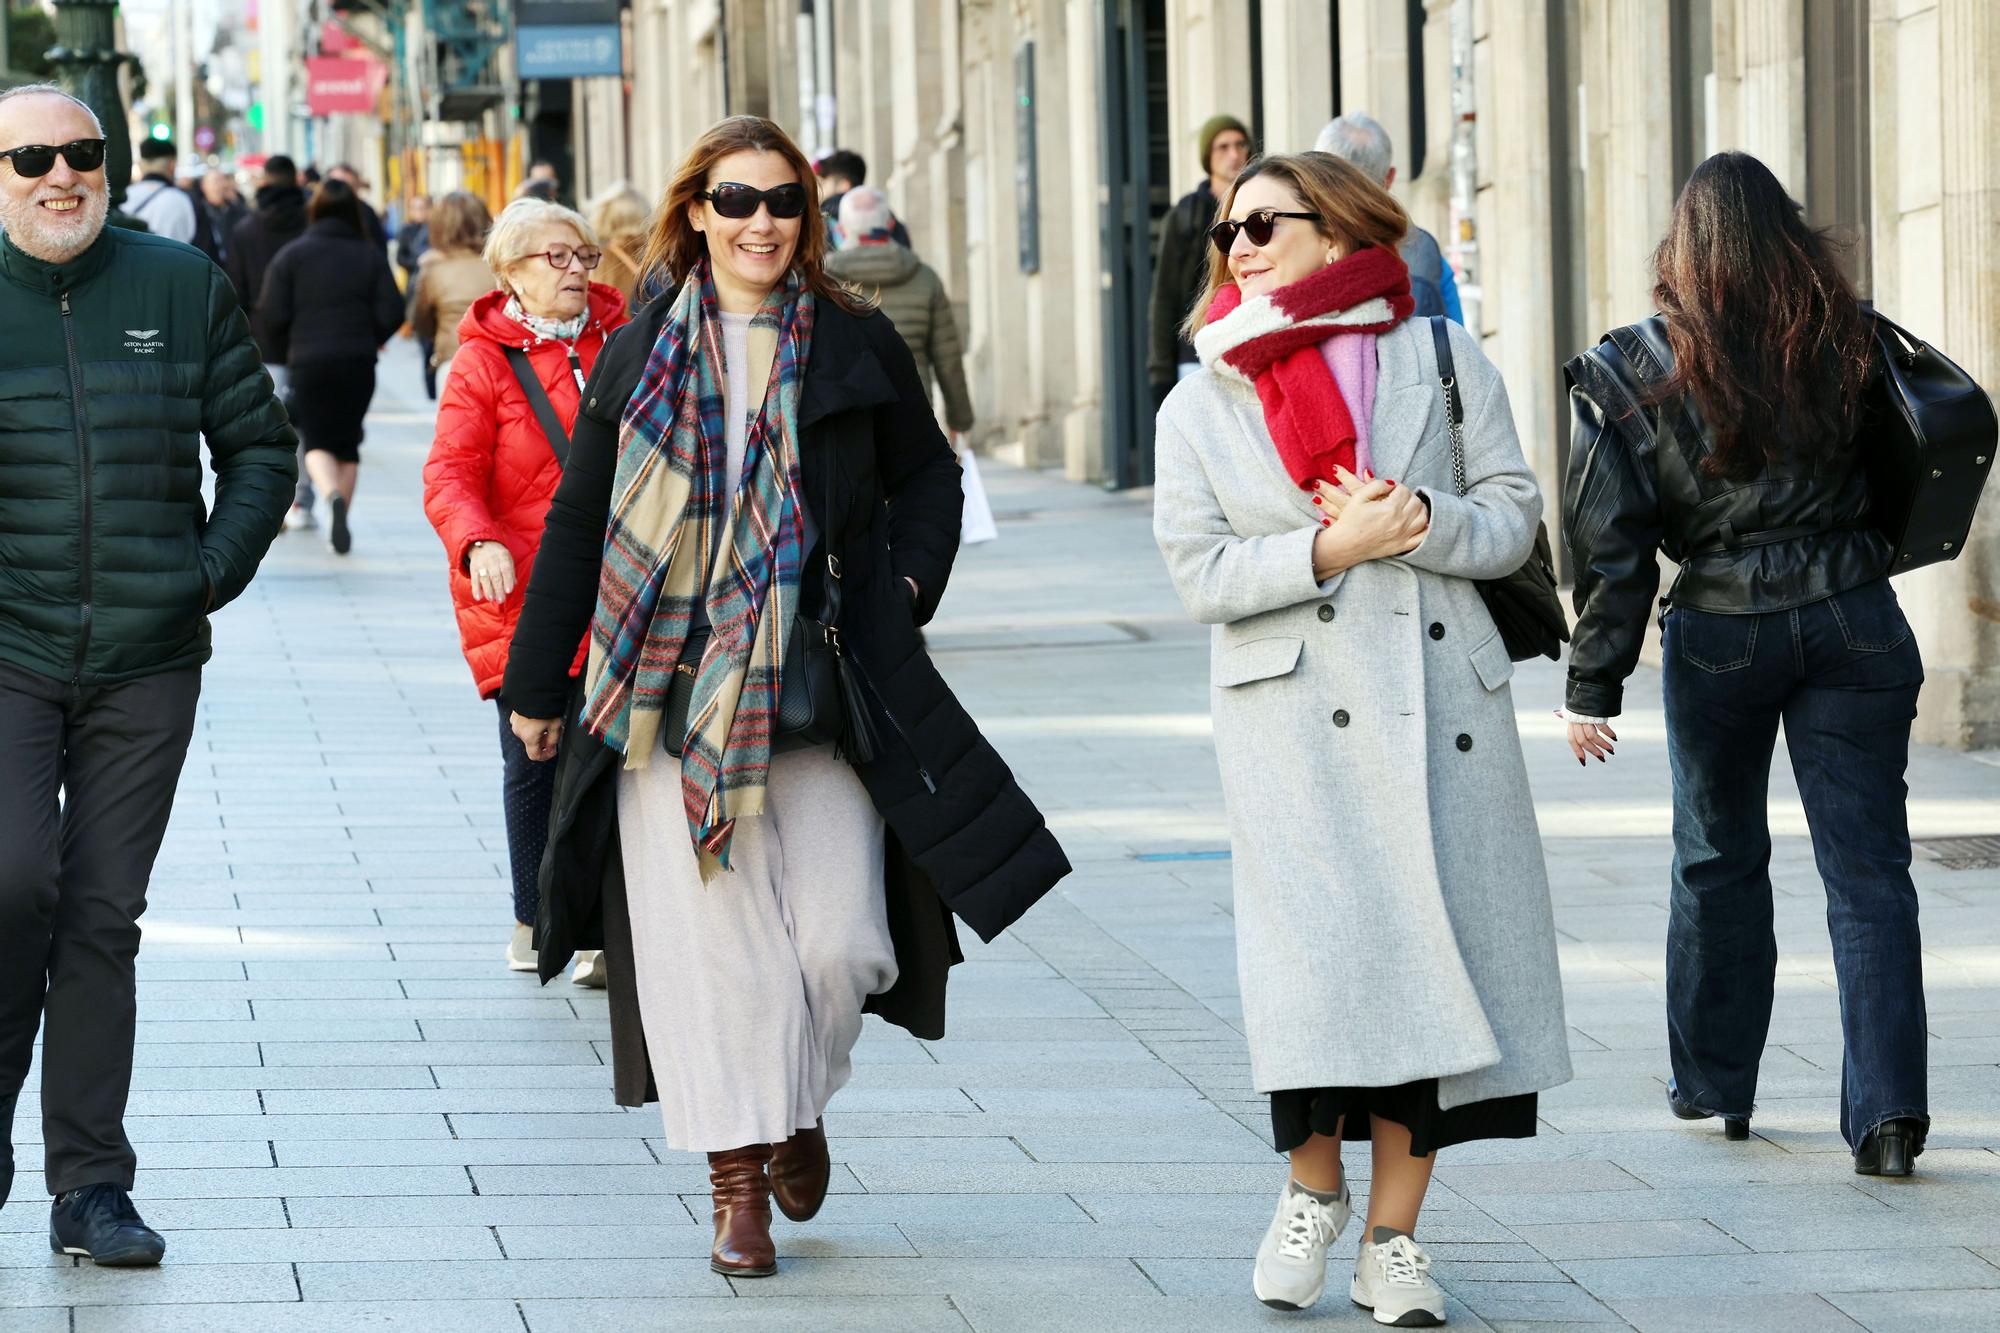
{"type": "Point", "coordinates": [328, 401]}
{"type": "Point", "coordinates": [1299, 1113]}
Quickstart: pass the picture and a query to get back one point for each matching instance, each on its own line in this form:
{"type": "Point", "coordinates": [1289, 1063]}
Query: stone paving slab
{"type": "Point", "coordinates": [349, 1115]}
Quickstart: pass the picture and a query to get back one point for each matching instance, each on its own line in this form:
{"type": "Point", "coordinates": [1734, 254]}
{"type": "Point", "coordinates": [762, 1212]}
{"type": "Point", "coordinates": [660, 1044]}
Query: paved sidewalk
{"type": "Point", "coordinates": [351, 1116]}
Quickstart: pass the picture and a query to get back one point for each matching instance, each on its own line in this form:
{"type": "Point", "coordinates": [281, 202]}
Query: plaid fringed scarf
{"type": "Point", "coordinates": [667, 506]}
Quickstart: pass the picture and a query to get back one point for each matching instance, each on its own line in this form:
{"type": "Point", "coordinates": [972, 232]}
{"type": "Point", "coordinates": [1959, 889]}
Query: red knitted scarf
{"type": "Point", "coordinates": [1273, 342]}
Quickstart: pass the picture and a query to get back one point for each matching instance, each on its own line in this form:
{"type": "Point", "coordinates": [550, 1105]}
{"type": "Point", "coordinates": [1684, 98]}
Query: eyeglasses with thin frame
{"type": "Point", "coordinates": [1259, 227]}
{"type": "Point", "coordinates": [559, 256]}
{"type": "Point", "coordinates": [732, 199]}
{"type": "Point", "coordinates": [32, 161]}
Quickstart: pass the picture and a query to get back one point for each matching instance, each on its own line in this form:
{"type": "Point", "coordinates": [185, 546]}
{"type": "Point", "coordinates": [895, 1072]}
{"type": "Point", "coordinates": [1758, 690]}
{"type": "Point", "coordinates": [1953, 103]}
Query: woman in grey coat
{"type": "Point", "coordinates": [1395, 945]}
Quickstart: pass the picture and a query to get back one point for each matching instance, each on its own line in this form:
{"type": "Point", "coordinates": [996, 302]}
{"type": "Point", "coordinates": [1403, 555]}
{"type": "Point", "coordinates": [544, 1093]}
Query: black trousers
{"type": "Point", "coordinates": [87, 778]}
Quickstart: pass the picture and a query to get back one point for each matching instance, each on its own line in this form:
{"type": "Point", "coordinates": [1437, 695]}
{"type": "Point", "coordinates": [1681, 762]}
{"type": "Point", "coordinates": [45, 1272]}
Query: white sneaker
{"type": "Point", "coordinates": [1291, 1263]}
{"type": "Point", "coordinates": [589, 969]}
{"type": "Point", "coordinates": [521, 949]}
{"type": "Point", "coordinates": [1393, 1280]}
{"type": "Point", "coordinates": [300, 519]}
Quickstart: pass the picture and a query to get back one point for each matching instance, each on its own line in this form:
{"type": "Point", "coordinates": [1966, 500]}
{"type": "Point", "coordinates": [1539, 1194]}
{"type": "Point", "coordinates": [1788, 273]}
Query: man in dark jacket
{"type": "Point", "coordinates": [279, 220]}
{"type": "Point", "coordinates": [1360, 139]}
{"type": "Point", "coordinates": [1181, 266]}
{"type": "Point", "coordinates": [218, 210]}
{"type": "Point", "coordinates": [121, 351]}
{"type": "Point", "coordinates": [840, 171]}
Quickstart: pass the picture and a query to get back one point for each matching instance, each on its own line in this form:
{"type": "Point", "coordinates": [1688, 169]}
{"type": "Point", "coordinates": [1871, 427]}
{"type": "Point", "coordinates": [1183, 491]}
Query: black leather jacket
{"type": "Point", "coordinates": [1796, 533]}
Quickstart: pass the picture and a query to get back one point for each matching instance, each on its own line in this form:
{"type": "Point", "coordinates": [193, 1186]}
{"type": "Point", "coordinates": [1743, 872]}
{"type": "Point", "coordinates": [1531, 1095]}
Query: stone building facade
{"type": "Point", "coordinates": [1030, 146]}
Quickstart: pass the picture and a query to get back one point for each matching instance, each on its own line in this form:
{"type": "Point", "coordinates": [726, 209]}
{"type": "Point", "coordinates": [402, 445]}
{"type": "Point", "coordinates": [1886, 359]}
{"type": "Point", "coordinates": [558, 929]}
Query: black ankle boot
{"type": "Point", "coordinates": [1890, 1149]}
{"type": "Point", "coordinates": [1734, 1128]}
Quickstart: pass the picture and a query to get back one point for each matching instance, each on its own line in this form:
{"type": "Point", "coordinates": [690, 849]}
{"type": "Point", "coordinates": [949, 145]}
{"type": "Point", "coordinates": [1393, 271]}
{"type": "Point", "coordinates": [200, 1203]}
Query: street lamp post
{"type": "Point", "coordinates": [87, 64]}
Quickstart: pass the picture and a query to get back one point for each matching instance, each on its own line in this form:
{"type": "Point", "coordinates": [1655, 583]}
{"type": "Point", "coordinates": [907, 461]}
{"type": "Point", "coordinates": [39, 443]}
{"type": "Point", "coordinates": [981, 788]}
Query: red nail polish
{"type": "Point", "coordinates": [1326, 522]}
{"type": "Point", "coordinates": [1318, 501]}
{"type": "Point", "coordinates": [1392, 485]}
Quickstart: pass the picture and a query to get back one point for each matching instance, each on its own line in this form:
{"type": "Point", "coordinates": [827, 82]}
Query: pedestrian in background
{"type": "Point", "coordinates": [279, 219]}
{"type": "Point", "coordinates": [620, 216]}
{"type": "Point", "coordinates": [329, 303]}
{"type": "Point", "coordinates": [1395, 942]}
{"type": "Point", "coordinates": [909, 292]}
{"type": "Point", "coordinates": [219, 210]}
{"type": "Point", "coordinates": [104, 624]}
{"type": "Point", "coordinates": [760, 451]}
{"type": "Point", "coordinates": [493, 470]}
{"type": "Point", "coordinates": [1723, 432]}
{"type": "Point", "coordinates": [1360, 139]}
{"type": "Point", "coordinates": [842, 170]}
{"type": "Point", "coordinates": [413, 239]}
{"type": "Point", "coordinates": [371, 221]}
{"type": "Point", "coordinates": [155, 199]}
{"type": "Point", "coordinates": [1180, 267]}
{"type": "Point", "coordinates": [451, 274]}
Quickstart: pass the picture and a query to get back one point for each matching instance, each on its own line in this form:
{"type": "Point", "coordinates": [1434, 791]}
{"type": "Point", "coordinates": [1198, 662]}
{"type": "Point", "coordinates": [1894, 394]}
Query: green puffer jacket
{"type": "Point", "coordinates": [113, 367]}
{"type": "Point", "coordinates": [914, 299]}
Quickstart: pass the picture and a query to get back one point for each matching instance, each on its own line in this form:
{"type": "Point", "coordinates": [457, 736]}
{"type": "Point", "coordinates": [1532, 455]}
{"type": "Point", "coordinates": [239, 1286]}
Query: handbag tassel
{"type": "Point", "coordinates": [859, 741]}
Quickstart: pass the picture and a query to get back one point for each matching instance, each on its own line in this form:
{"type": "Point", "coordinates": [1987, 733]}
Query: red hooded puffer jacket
{"type": "Point", "coordinates": [491, 473]}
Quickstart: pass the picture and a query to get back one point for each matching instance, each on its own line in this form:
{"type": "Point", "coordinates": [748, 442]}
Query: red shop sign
{"type": "Point", "coordinates": [337, 84]}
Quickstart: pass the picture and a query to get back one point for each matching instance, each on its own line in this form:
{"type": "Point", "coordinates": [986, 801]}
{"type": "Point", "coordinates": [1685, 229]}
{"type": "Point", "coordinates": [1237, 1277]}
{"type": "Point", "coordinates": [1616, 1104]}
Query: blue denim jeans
{"type": "Point", "coordinates": [1842, 675]}
{"type": "Point", "coordinates": [527, 791]}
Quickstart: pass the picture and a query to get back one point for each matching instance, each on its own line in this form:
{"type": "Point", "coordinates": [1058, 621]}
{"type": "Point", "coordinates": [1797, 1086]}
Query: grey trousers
{"type": "Point", "coordinates": [750, 987]}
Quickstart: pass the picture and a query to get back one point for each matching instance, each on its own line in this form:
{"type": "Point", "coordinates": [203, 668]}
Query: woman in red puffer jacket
{"type": "Point", "coordinates": [493, 471]}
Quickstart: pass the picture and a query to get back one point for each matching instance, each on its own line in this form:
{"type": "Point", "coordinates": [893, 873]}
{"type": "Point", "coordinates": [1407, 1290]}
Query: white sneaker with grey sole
{"type": "Point", "coordinates": [521, 949]}
{"type": "Point", "coordinates": [1291, 1263]}
{"type": "Point", "coordinates": [1392, 1278]}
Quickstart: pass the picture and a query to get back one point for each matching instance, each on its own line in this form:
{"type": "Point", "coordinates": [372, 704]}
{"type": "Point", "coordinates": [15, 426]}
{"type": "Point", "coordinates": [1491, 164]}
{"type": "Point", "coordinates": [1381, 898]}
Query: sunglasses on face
{"type": "Point", "coordinates": [732, 200]}
{"type": "Point", "coordinates": [1258, 227]}
{"type": "Point", "coordinates": [559, 256]}
{"type": "Point", "coordinates": [36, 160]}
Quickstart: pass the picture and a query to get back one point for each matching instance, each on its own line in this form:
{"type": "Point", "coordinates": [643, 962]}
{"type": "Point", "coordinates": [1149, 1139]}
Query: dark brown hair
{"type": "Point", "coordinates": [459, 223]}
{"type": "Point", "coordinates": [674, 247]}
{"type": "Point", "coordinates": [1769, 339]}
{"type": "Point", "coordinates": [1354, 211]}
{"type": "Point", "coordinates": [337, 200]}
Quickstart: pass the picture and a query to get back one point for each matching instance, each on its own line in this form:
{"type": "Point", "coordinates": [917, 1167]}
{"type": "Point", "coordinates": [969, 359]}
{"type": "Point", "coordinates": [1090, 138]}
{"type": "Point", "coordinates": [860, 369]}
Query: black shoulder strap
{"type": "Point", "coordinates": [538, 399]}
{"type": "Point", "coordinates": [1454, 409]}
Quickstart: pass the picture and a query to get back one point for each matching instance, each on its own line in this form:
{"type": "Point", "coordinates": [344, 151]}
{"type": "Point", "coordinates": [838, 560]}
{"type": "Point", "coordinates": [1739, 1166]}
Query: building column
{"type": "Point", "coordinates": [1628, 156]}
{"type": "Point", "coordinates": [1298, 74]}
{"type": "Point", "coordinates": [1208, 74]}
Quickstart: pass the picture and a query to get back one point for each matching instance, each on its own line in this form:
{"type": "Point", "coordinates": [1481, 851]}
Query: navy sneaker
{"type": "Point", "coordinates": [99, 1223]}
{"type": "Point", "coordinates": [7, 1145]}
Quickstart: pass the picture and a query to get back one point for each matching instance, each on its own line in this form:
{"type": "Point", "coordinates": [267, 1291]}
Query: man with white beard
{"type": "Point", "coordinates": [120, 352]}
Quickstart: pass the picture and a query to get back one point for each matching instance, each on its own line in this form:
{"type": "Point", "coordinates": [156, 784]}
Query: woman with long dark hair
{"type": "Point", "coordinates": [1724, 432]}
{"type": "Point", "coordinates": [756, 452]}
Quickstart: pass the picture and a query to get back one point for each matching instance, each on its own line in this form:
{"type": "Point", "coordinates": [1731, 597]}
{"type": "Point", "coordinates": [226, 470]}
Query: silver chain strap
{"type": "Point", "coordinates": [1451, 416]}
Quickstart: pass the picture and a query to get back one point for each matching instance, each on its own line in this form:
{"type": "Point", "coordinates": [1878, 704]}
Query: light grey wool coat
{"type": "Point", "coordinates": [1392, 904]}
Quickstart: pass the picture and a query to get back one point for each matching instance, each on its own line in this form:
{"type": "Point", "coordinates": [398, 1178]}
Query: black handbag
{"type": "Point", "coordinates": [819, 692]}
{"type": "Point", "coordinates": [1524, 605]}
{"type": "Point", "coordinates": [1927, 439]}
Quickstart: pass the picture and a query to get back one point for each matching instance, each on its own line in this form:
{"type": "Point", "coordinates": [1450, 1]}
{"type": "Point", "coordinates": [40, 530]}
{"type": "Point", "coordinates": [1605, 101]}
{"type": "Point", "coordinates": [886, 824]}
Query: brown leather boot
{"type": "Point", "coordinates": [743, 1246]}
{"type": "Point", "coordinates": [800, 1172]}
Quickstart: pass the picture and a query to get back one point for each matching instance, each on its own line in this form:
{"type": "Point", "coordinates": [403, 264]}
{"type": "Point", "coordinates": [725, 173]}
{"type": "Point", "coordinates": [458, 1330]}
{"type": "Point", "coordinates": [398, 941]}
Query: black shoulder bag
{"type": "Point", "coordinates": [1927, 439]}
{"type": "Point", "coordinates": [1524, 604]}
{"type": "Point", "coordinates": [819, 695]}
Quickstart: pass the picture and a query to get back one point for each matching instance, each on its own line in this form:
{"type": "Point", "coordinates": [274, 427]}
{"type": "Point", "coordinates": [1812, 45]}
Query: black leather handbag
{"type": "Point", "coordinates": [819, 692]}
{"type": "Point", "coordinates": [1524, 605]}
{"type": "Point", "coordinates": [1927, 439]}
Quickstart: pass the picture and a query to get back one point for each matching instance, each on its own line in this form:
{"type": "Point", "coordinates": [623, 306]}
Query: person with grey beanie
{"type": "Point", "coordinates": [1180, 269]}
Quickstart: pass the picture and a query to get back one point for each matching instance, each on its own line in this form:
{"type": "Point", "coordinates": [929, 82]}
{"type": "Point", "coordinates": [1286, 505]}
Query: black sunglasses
{"type": "Point", "coordinates": [36, 160]}
{"type": "Point", "coordinates": [741, 201]}
{"type": "Point", "coordinates": [1258, 227]}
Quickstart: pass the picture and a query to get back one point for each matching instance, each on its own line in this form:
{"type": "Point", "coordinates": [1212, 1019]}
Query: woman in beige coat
{"type": "Point", "coordinates": [451, 275]}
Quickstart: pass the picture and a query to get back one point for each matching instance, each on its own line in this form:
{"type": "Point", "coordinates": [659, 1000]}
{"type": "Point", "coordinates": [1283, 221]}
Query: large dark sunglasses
{"type": "Point", "coordinates": [1258, 227]}
{"type": "Point", "coordinates": [36, 160]}
{"type": "Point", "coordinates": [741, 201]}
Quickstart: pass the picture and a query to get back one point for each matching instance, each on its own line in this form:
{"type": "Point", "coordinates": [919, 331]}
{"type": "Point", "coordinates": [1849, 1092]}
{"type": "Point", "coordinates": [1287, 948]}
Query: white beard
{"type": "Point", "coordinates": [35, 233]}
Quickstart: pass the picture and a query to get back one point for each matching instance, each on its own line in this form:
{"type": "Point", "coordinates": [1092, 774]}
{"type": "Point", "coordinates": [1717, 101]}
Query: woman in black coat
{"type": "Point", "coordinates": [747, 926]}
{"type": "Point", "coordinates": [329, 303]}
